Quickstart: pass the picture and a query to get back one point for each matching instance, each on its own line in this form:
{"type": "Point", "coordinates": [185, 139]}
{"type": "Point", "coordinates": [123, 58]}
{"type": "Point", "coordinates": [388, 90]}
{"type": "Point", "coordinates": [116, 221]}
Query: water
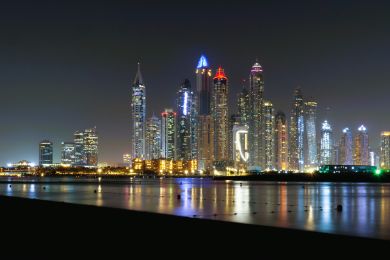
{"type": "Point", "coordinates": [307, 206]}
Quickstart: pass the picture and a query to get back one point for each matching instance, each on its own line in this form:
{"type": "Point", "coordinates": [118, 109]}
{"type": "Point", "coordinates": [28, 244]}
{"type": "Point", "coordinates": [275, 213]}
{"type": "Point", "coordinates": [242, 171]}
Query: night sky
{"type": "Point", "coordinates": [69, 66]}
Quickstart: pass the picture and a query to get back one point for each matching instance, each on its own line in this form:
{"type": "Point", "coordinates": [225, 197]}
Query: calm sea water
{"type": "Point", "coordinates": [307, 206]}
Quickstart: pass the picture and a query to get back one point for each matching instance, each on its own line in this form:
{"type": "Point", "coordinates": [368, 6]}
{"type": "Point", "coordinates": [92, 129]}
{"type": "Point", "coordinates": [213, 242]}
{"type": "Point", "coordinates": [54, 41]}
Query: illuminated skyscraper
{"type": "Point", "coordinates": [153, 138]}
{"type": "Point", "coordinates": [234, 121]}
{"type": "Point", "coordinates": [297, 131]}
{"type": "Point", "coordinates": [138, 115]}
{"type": "Point", "coordinates": [361, 147]}
{"type": "Point", "coordinates": [240, 146]}
{"type": "Point", "coordinates": [45, 153]}
{"type": "Point", "coordinates": [186, 132]}
{"type": "Point", "coordinates": [345, 147]}
{"type": "Point", "coordinates": [385, 150]}
{"type": "Point", "coordinates": [268, 134]}
{"type": "Point", "coordinates": [243, 106]}
{"type": "Point", "coordinates": [326, 144]}
{"type": "Point", "coordinates": [311, 134]}
{"type": "Point", "coordinates": [68, 153]}
{"type": "Point", "coordinates": [127, 159]}
{"type": "Point", "coordinates": [204, 123]}
{"type": "Point", "coordinates": [256, 89]}
{"type": "Point", "coordinates": [168, 134]}
{"type": "Point", "coordinates": [79, 158]}
{"type": "Point", "coordinates": [220, 114]}
{"type": "Point", "coordinates": [281, 142]}
{"type": "Point", "coordinates": [91, 143]}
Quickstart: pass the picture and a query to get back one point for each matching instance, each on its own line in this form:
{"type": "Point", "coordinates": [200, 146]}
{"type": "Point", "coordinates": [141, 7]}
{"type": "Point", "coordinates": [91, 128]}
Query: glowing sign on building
{"type": "Point", "coordinates": [240, 144]}
{"type": "Point", "coordinates": [185, 103]}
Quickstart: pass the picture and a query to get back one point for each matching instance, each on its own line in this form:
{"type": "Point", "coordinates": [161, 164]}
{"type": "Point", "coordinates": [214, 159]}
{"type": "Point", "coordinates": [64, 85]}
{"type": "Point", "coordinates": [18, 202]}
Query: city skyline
{"type": "Point", "coordinates": [53, 67]}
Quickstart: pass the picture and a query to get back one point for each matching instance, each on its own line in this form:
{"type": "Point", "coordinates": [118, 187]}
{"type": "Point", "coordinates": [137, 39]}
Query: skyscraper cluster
{"type": "Point", "coordinates": [257, 137]}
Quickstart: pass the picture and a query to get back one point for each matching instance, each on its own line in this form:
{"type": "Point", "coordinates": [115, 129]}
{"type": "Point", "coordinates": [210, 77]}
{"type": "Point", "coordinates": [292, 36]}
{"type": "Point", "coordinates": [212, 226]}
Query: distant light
{"type": "Point", "coordinates": [362, 128]}
{"type": "Point", "coordinates": [185, 103]}
{"type": "Point", "coordinates": [9, 165]}
{"type": "Point", "coordinates": [378, 172]}
{"type": "Point", "coordinates": [32, 164]}
{"type": "Point", "coordinates": [202, 62]}
{"type": "Point", "coordinates": [326, 125]}
{"type": "Point", "coordinates": [345, 130]}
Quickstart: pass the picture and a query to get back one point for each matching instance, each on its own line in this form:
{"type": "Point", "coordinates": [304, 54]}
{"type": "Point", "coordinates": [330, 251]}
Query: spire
{"type": "Point", "coordinates": [202, 63]}
{"type": "Point", "coordinates": [138, 76]}
{"type": "Point", "coordinates": [220, 74]}
{"type": "Point", "coordinates": [257, 67]}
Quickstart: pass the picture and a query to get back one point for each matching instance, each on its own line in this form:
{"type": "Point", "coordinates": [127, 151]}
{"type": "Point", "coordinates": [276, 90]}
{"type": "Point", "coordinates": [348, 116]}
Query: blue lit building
{"type": "Point", "coordinates": [297, 131]}
{"type": "Point", "coordinates": [138, 116]}
{"type": "Point", "coordinates": [326, 143]}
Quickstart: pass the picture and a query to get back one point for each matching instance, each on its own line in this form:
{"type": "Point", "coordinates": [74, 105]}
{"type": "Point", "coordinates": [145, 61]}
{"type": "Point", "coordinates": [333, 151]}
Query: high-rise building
{"type": "Point", "coordinates": [240, 146]}
{"type": "Point", "coordinates": [153, 138]}
{"type": "Point", "coordinates": [268, 134]}
{"type": "Point", "coordinates": [361, 147]}
{"type": "Point", "coordinates": [256, 89]}
{"type": "Point", "coordinates": [297, 131]}
{"type": "Point", "coordinates": [91, 143]}
{"type": "Point", "coordinates": [168, 134]}
{"type": "Point", "coordinates": [243, 106]}
{"type": "Point", "coordinates": [138, 115]}
{"type": "Point", "coordinates": [68, 153]}
{"type": "Point", "coordinates": [385, 150]}
{"type": "Point", "coordinates": [281, 142]}
{"type": "Point", "coordinates": [186, 132]}
{"type": "Point", "coordinates": [219, 111]}
{"type": "Point", "coordinates": [326, 144]}
{"type": "Point", "coordinates": [234, 121]}
{"type": "Point", "coordinates": [345, 147]}
{"type": "Point", "coordinates": [127, 159]}
{"type": "Point", "coordinates": [79, 158]}
{"type": "Point", "coordinates": [204, 123]}
{"type": "Point", "coordinates": [45, 153]}
{"type": "Point", "coordinates": [311, 134]}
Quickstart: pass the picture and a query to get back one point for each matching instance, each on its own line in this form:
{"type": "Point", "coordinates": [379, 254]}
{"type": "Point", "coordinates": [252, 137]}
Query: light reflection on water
{"type": "Point", "coordinates": [309, 206]}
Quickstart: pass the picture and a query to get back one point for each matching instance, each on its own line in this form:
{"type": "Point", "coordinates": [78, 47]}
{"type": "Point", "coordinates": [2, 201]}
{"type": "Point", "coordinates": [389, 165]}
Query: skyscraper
{"type": "Point", "coordinates": [311, 134]}
{"type": "Point", "coordinates": [234, 122]}
{"type": "Point", "coordinates": [168, 134]}
{"type": "Point", "coordinates": [204, 123]}
{"type": "Point", "coordinates": [220, 114]}
{"type": "Point", "coordinates": [256, 89]}
{"type": "Point", "coordinates": [240, 146]}
{"type": "Point", "coordinates": [361, 147]}
{"type": "Point", "coordinates": [326, 144]}
{"type": "Point", "coordinates": [138, 114]}
{"type": "Point", "coordinates": [345, 147]}
{"type": "Point", "coordinates": [186, 132]}
{"type": "Point", "coordinates": [297, 130]}
{"type": "Point", "coordinates": [268, 134]}
{"type": "Point", "coordinates": [68, 153]}
{"type": "Point", "coordinates": [281, 142]}
{"type": "Point", "coordinates": [45, 153]}
{"type": "Point", "coordinates": [153, 138]}
{"type": "Point", "coordinates": [243, 106]}
{"type": "Point", "coordinates": [91, 143]}
{"type": "Point", "coordinates": [385, 150]}
{"type": "Point", "coordinates": [79, 158]}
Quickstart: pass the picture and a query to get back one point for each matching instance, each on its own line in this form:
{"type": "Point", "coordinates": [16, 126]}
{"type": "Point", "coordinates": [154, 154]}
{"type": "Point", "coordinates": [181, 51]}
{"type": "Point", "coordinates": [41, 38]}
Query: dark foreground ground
{"type": "Point", "coordinates": [35, 227]}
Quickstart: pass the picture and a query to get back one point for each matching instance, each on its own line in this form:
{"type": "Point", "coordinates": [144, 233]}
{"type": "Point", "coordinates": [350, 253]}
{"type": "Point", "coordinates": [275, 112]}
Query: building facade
{"type": "Point", "coordinates": [326, 144]}
{"type": "Point", "coordinates": [297, 131]}
{"type": "Point", "coordinates": [45, 153]}
{"type": "Point", "coordinates": [311, 134]}
{"type": "Point", "coordinates": [385, 150]}
{"type": "Point", "coordinates": [267, 158]}
{"type": "Point", "coordinates": [240, 146]}
{"type": "Point", "coordinates": [220, 116]}
{"type": "Point", "coordinates": [138, 115]}
{"type": "Point", "coordinates": [361, 147]}
{"type": "Point", "coordinates": [281, 142]}
{"type": "Point", "coordinates": [345, 147]}
{"type": "Point", "coordinates": [91, 144]}
{"type": "Point", "coordinates": [153, 138]}
{"type": "Point", "coordinates": [68, 153]}
{"type": "Point", "coordinates": [168, 134]}
{"type": "Point", "coordinates": [243, 106]}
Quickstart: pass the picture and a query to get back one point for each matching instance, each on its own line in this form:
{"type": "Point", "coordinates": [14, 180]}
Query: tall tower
{"type": "Point", "coordinates": [67, 153]}
{"type": "Point", "coordinates": [45, 153]}
{"type": "Point", "coordinates": [256, 89]}
{"type": "Point", "coordinates": [311, 134]}
{"type": "Point", "coordinates": [204, 122]}
{"type": "Point", "coordinates": [385, 150]}
{"type": "Point", "coordinates": [297, 130]}
{"type": "Point", "coordinates": [186, 135]}
{"type": "Point", "coordinates": [243, 106]}
{"type": "Point", "coordinates": [168, 134]}
{"type": "Point", "coordinates": [90, 144]}
{"type": "Point", "coordinates": [153, 138]}
{"type": "Point", "coordinates": [281, 142]}
{"type": "Point", "coordinates": [361, 147]}
{"type": "Point", "coordinates": [79, 158]}
{"type": "Point", "coordinates": [220, 116]}
{"type": "Point", "coordinates": [345, 147]}
{"type": "Point", "coordinates": [267, 140]}
{"type": "Point", "coordinates": [138, 115]}
{"type": "Point", "coordinates": [326, 143]}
